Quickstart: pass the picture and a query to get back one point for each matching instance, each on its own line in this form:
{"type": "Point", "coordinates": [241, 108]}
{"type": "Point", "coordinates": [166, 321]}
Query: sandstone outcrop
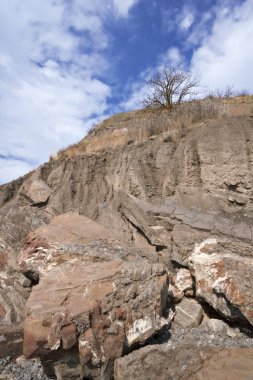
{"type": "Point", "coordinates": [99, 309]}
{"type": "Point", "coordinates": [65, 239]}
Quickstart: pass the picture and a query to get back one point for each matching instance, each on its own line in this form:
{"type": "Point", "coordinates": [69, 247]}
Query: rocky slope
{"type": "Point", "coordinates": [121, 243]}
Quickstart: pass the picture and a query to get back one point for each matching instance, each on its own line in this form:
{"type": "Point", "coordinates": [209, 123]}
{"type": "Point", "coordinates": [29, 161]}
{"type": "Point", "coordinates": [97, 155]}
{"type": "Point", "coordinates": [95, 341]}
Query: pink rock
{"type": "Point", "coordinates": [94, 305]}
{"type": "Point", "coordinates": [53, 244]}
{"type": "Point", "coordinates": [224, 280]}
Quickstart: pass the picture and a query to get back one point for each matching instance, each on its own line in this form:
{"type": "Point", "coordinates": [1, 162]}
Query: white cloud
{"type": "Point", "coordinates": [222, 49]}
{"type": "Point", "coordinates": [225, 56]}
{"type": "Point", "coordinates": [10, 168]}
{"type": "Point", "coordinates": [51, 56]}
{"type": "Point", "coordinates": [122, 7]}
{"type": "Point", "coordinates": [172, 57]}
{"type": "Point", "coordinates": [186, 20]}
{"type": "Point", "coordinates": [138, 92]}
{"type": "Point", "coordinates": [178, 19]}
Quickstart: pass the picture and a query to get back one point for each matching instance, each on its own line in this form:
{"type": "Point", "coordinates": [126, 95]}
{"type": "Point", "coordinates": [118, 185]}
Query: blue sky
{"type": "Point", "coordinates": [67, 64]}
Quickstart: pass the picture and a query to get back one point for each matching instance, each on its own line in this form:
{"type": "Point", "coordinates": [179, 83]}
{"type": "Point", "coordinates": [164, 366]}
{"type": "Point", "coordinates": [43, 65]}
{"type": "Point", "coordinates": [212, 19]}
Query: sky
{"type": "Point", "coordinates": [65, 65]}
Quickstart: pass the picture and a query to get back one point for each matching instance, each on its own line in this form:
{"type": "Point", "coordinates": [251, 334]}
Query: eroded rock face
{"type": "Point", "coordinates": [179, 362]}
{"type": "Point", "coordinates": [224, 280]}
{"type": "Point", "coordinates": [209, 169]}
{"type": "Point", "coordinates": [97, 296]}
{"type": "Point", "coordinates": [100, 308]}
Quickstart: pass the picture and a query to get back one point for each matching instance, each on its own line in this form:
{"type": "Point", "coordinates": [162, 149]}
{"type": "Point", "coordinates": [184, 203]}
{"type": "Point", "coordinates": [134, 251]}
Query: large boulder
{"type": "Point", "coordinates": [63, 240]}
{"type": "Point", "coordinates": [34, 191]}
{"type": "Point", "coordinates": [97, 311]}
{"type": "Point", "coordinates": [224, 278]}
{"type": "Point", "coordinates": [185, 362]}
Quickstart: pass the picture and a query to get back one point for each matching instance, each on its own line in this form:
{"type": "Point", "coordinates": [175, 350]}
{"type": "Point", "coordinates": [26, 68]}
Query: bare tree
{"type": "Point", "coordinates": [228, 91]}
{"type": "Point", "coordinates": [169, 87]}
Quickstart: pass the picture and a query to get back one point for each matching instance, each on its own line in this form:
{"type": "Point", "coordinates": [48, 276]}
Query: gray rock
{"type": "Point", "coordinates": [180, 362]}
{"type": "Point", "coordinates": [189, 313]}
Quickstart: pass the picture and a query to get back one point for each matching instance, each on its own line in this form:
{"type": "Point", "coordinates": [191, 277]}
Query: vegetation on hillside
{"type": "Point", "coordinates": [172, 107]}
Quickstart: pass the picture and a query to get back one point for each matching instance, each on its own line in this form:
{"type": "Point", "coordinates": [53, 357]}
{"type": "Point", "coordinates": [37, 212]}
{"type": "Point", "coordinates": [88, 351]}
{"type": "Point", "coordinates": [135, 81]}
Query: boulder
{"type": "Point", "coordinates": [189, 313]}
{"type": "Point", "coordinates": [97, 311]}
{"type": "Point", "coordinates": [34, 191]}
{"type": "Point", "coordinates": [63, 240]}
{"type": "Point", "coordinates": [185, 362]}
{"type": "Point", "coordinates": [223, 280]}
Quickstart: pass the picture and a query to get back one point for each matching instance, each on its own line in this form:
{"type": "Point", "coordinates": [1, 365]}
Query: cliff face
{"type": "Point", "coordinates": [209, 170]}
{"type": "Point", "coordinates": [182, 198]}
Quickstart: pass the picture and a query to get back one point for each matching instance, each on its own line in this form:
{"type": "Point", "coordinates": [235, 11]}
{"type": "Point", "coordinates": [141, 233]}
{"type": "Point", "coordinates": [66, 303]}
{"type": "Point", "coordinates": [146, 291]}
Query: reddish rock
{"type": "Point", "coordinates": [104, 306]}
{"type": "Point", "coordinates": [68, 336]}
{"type": "Point", "coordinates": [224, 280]}
{"type": "Point", "coordinates": [63, 240]}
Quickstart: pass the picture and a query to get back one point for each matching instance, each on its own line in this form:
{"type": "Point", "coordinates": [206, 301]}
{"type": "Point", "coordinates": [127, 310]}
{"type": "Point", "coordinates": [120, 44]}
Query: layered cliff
{"type": "Point", "coordinates": [171, 199]}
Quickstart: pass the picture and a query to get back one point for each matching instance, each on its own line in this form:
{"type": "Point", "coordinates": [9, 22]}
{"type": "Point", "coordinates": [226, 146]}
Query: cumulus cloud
{"type": "Point", "coordinates": [225, 55]}
{"type": "Point", "coordinates": [51, 64]}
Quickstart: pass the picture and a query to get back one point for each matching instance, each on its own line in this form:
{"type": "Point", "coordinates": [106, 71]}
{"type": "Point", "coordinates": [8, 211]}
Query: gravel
{"type": "Point", "coordinates": [26, 370]}
{"type": "Point", "coordinates": [204, 336]}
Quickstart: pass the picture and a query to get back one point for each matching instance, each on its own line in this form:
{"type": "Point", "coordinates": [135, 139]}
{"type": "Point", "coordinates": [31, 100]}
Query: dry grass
{"type": "Point", "coordinates": [137, 126]}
